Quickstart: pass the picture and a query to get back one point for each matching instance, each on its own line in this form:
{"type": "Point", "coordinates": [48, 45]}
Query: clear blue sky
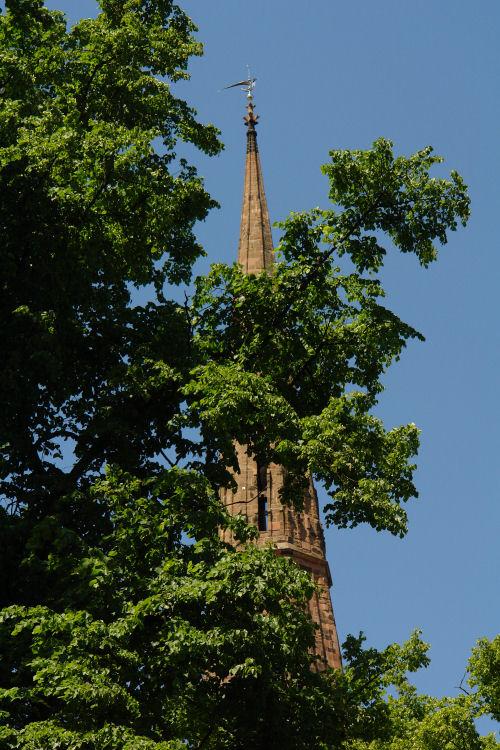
{"type": "Point", "coordinates": [340, 75]}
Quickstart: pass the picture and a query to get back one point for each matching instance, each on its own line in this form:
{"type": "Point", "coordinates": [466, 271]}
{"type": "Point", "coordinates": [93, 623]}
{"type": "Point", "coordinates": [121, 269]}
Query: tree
{"type": "Point", "coordinates": [124, 620]}
{"type": "Point", "coordinates": [484, 669]}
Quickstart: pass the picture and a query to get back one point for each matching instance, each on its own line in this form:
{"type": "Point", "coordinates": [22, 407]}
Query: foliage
{"type": "Point", "coordinates": [125, 622]}
{"type": "Point", "coordinates": [89, 208]}
{"type": "Point", "coordinates": [315, 416]}
{"type": "Point", "coordinates": [156, 630]}
{"type": "Point", "coordinates": [484, 668]}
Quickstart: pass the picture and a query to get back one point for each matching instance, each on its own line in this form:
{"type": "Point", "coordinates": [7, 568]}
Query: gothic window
{"type": "Point", "coordinates": [262, 513]}
{"type": "Point", "coordinates": [262, 502]}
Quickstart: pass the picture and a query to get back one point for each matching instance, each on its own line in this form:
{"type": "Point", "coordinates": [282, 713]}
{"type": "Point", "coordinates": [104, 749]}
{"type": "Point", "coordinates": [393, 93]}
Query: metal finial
{"type": "Point", "coordinates": [247, 85]}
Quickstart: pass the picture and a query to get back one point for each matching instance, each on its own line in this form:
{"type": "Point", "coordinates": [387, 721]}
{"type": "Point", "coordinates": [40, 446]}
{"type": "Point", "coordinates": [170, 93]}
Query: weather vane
{"type": "Point", "coordinates": [247, 85]}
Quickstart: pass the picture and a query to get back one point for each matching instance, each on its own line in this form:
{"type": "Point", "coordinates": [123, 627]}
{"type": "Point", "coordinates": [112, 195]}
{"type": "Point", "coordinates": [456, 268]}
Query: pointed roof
{"type": "Point", "coordinates": [255, 249]}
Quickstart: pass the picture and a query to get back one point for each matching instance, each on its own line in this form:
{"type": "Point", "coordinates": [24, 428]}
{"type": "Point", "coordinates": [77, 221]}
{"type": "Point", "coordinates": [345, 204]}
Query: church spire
{"type": "Point", "coordinates": [255, 249]}
{"type": "Point", "coordinates": [256, 494]}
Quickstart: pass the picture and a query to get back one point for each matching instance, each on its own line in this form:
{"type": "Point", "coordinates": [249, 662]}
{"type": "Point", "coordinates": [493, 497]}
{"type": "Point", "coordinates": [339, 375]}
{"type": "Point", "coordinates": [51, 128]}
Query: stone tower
{"type": "Point", "coordinates": [297, 535]}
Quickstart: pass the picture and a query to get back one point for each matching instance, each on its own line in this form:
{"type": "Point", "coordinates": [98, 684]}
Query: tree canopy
{"type": "Point", "coordinates": [125, 622]}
